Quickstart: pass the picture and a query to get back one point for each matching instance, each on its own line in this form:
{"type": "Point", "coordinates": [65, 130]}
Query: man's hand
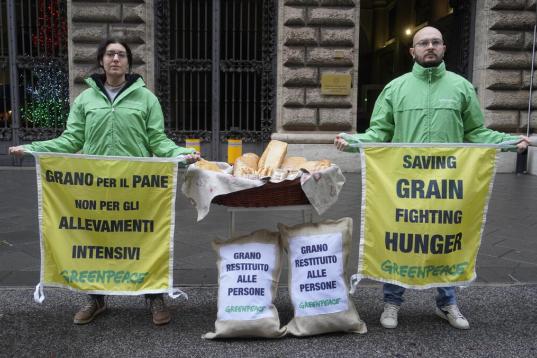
{"type": "Point", "coordinates": [340, 143]}
{"type": "Point", "coordinates": [17, 151]}
{"type": "Point", "coordinates": [523, 144]}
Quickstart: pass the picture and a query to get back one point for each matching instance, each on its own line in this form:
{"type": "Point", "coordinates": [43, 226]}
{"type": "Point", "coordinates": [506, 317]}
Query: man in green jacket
{"type": "Point", "coordinates": [427, 105]}
{"type": "Point", "coordinates": [116, 116]}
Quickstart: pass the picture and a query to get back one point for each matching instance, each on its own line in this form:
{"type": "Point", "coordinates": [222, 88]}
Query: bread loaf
{"type": "Point", "coordinates": [293, 163]}
{"type": "Point", "coordinates": [313, 166]}
{"type": "Point", "coordinates": [206, 165]}
{"type": "Point", "coordinates": [272, 157]}
{"type": "Point", "coordinates": [245, 165]}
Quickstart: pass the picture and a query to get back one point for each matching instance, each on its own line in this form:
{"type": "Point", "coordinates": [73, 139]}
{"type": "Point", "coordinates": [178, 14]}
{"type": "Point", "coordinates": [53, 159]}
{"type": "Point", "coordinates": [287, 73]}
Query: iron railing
{"type": "Point", "coordinates": [34, 88]}
{"type": "Point", "coordinates": [5, 97]}
{"type": "Point", "coordinates": [245, 41]}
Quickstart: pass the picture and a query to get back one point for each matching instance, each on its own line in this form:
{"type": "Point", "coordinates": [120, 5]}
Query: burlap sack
{"type": "Point", "coordinates": [248, 274]}
{"type": "Point", "coordinates": [318, 255]}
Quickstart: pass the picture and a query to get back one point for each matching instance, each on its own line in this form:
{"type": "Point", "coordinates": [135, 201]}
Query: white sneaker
{"type": "Point", "coordinates": [388, 318]}
{"type": "Point", "coordinates": [452, 314]}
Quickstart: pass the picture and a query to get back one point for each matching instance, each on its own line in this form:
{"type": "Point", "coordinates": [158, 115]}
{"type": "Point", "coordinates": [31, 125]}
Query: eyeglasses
{"type": "Point", "coordinates": [112, 54]}
{"type": "Point", "coordinates": [425, 43]}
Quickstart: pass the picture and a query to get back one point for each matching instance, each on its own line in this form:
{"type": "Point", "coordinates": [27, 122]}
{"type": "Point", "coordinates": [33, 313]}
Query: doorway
{"type": "Point", "coordinates": [386, 30]}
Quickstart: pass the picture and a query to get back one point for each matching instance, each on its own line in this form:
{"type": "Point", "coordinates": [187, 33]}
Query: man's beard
{"type": "Point", "coordinates": [430, 63]}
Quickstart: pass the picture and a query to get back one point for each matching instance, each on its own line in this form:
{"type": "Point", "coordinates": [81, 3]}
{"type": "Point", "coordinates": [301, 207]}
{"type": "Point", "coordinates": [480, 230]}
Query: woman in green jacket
{"type": "Point", "coordinates": [116, 116]}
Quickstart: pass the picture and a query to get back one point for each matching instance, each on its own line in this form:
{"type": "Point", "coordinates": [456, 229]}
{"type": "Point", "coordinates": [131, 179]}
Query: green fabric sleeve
{"type": "Point", "coordinates": [382, 124]}
{"type": "Point", "coordinates": [71, 140]}
{"type": "Point", "coordinates": [474, 129]}
{"type": "Point", "coordinates": [160, 144]}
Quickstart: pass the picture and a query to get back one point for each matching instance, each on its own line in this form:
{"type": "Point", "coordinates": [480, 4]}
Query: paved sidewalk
{"type": "Point", "coordinates": [508, 252]}
{"type": "Point", "coordinates": [502, 322]}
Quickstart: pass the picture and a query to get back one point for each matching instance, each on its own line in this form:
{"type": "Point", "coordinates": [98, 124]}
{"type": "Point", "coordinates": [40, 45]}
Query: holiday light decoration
{"type": "Point", "coordinates": [51, 28]}
{"type": "Point", "coordinates": [48, 102]}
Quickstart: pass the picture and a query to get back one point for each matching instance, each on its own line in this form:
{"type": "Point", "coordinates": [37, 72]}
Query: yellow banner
{"type": "Point", "coordinates": [423, 213]}
{"type": "Point", "coordinates": [106, 224]}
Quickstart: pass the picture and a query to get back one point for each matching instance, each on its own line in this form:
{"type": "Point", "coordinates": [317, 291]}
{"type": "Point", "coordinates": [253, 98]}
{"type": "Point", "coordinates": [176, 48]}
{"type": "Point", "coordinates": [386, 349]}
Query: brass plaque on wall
{"type": "Point", "coordinates": [336, 84]}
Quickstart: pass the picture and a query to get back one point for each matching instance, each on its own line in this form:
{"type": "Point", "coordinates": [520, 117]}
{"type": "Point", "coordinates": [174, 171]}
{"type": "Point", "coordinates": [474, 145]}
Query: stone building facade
{"type": "Point", "coordinates": [90, 22]}
{"type": "Point", "coordinates": [504, 31]}
{"type": "Point", "coordinates": [316, 37]}
{"type": "Point", "coordinates": [503, 52]}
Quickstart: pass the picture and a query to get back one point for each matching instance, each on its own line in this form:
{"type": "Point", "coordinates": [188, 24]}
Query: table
{"type": "Point", "coordinates": [307, 213]}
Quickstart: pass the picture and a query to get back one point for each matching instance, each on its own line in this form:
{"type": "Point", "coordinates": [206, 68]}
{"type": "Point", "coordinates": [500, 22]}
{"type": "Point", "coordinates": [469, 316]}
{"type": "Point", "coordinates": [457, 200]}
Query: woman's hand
{"type": "Point", "coordinates": [17, 151]}
{"type": "Point", "coordinates": [192, 158]}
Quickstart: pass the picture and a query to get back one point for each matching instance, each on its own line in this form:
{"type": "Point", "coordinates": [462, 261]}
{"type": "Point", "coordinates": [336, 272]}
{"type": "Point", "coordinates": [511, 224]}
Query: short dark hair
{"type": "Point", "coordinates": [102, 49]}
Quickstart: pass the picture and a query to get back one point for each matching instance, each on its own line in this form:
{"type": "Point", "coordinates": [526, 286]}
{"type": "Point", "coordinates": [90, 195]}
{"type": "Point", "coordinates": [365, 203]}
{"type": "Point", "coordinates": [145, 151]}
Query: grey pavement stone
{"type": "Point", "coordinates": [182, 249]}
{"type": "Point", "coordinates": [205, 259]}
{"type": "Point", "coordinates": [495, 275]}
{"type": "Point", "coordinates": [527, 243]}
{"type": "Point", "coordinates": [494, 250]}
{"type": "Point", "coordinates": [4, 274]}
{"type": "Point", "coordinates": [203, 277]}
{"type": "Point", "coordinates": [19, 278]}
{"type": "Point", "coordinates": [523, 257]}
{"type": "Point", "coordinates": [22, 236]}
{"type": "Point", "coordinates": [16, 259]}
{"type": "Point", "coordinates": [524, 273]}
{"type": "Point", "coordinates": [485, 260]}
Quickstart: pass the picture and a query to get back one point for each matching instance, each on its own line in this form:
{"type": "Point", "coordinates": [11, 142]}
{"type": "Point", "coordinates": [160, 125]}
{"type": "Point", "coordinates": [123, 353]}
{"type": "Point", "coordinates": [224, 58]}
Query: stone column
{"type": "Point", "coordinates": [316, 37]}
{"type": "Point", "coordinates": [502, 64]}
{"type": "Point", "coordinates": [90, 22]}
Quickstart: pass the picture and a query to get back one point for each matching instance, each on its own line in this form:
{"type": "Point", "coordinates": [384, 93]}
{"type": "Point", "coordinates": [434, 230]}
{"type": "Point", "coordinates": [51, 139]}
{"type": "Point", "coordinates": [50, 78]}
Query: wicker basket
{"type": "Point", "coordinates": [287, 192]}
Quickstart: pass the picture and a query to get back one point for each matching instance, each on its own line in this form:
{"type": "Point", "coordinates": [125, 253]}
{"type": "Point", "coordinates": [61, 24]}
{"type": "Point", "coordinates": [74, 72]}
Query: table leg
{"type": "Point", "coordinates": [231, 224]}
{"type": "Point", "coordinates": [307, 216]}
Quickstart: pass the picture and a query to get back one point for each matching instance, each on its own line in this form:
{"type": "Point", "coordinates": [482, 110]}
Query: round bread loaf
{"type": "Point", "coordinates": [313, 166]}
{"type": "Point", "coordinates": [293, 163]}
{"type": "Point", "coordinates": [245, 165]}
{"type": "Point", "coordinates": [206, 165]}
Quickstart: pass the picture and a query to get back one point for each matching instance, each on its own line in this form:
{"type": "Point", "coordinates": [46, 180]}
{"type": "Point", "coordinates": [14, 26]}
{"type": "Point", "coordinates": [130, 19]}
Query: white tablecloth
{"type": "Point", "coordinates": [201, 186]}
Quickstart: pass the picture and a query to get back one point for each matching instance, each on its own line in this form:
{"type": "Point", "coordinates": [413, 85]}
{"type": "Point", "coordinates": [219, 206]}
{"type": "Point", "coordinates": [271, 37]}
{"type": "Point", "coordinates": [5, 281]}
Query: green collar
{"type": "Point", "coordinates": [429, 72]}
{"type": "Point", "coordinates": [133, 82]}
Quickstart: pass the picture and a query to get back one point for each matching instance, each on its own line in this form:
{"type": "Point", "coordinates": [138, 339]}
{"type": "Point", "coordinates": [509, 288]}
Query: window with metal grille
{"type": "Point", "coordinates": [38, 41]}
{"type": "Point", "coordinates": [5, 98]}
{"type": "Point", "coordinates": [186, 40]}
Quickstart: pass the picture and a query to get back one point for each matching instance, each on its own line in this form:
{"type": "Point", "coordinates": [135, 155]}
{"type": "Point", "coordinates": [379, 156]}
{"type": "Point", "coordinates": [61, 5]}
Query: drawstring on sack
{"type": "Point", "coordinates": [39, 295]}
{"type": "Point", "coordinates": [354, 280]}
{"type": "Point", "coordinates": [176, 293]}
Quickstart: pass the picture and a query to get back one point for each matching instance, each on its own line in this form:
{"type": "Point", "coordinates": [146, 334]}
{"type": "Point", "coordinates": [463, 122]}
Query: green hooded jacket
{"type": "Point", "coordinates": [132, 125]}
{"type": "Point", "coordinates": [428, 105]}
